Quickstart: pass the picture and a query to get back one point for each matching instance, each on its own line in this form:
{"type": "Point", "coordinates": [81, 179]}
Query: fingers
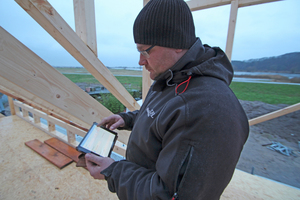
{"type": "Point", "coordinates": [119, 123]}
{"type": "Point", "coordinates": [92, 164]}
{"type": "Point", "coordinates": [112, 122]}
{"type": "Point", "coordinates": [93, 158]}
{"type": "Point", "coordinates": [96, 164]}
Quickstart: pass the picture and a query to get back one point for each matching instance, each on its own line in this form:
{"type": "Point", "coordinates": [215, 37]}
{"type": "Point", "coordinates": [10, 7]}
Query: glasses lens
{"type": "Point", "coordinates": [144, 53]}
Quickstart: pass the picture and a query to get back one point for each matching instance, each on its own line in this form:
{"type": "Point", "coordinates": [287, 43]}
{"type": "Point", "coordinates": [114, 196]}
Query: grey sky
{"type": "Point", "coordinates": [264, 30]}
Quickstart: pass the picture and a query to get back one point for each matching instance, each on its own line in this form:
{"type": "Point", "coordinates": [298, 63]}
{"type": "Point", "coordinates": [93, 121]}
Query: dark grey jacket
{"type": "Point", "coordinates": [184, 145]}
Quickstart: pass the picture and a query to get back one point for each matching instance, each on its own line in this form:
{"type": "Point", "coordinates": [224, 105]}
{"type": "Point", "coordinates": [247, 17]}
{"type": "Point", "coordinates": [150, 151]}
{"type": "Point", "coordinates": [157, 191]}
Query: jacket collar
{"type": "Point", "coordinates": [199, 60]}
{"type": "Point", "coordinates": [189, 57]}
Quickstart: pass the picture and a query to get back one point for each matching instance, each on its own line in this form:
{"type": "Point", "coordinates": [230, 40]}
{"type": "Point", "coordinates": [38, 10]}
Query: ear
{"type": "Point", "coordinates": [181, 51]}
{"type": "Point", "coordinates": [178, 50]}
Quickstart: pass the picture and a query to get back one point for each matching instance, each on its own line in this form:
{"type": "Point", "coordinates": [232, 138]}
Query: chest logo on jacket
{"type": "Point", "coordinates": [151, 112]}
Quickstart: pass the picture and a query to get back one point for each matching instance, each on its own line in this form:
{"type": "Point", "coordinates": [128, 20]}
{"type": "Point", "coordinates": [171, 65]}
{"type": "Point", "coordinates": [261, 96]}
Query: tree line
{"type": "Point", "coordinates": [287, 63]}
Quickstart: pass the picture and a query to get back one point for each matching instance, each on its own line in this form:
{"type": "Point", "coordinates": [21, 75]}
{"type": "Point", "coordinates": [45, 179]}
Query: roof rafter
{"type": "Point", "coordinates": [203, 4]}
{"type": "Point", "coordinates": [57, 27]}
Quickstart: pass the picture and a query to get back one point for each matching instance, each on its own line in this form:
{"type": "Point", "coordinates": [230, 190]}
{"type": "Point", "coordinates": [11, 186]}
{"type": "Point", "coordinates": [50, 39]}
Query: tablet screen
{"type": "Point", "coordinates": [98, 140]}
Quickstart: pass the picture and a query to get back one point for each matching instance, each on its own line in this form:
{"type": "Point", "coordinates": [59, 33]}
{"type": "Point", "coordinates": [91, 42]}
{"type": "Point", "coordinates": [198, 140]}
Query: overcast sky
{"type": "Point", "coordinates": [265, 30]}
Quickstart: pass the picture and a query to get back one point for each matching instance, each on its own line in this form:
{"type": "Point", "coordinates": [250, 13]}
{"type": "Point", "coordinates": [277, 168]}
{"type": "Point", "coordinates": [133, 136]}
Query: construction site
{"type": "Point", "coordinates": [38, 159]}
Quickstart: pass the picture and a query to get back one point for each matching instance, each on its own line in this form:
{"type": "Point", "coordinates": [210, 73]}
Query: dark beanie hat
{"type": "Point", "coordinates": [166, 23]}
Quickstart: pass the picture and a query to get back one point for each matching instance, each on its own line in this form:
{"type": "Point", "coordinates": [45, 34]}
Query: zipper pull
{"type": "Point", "coordinates": [175, 196]}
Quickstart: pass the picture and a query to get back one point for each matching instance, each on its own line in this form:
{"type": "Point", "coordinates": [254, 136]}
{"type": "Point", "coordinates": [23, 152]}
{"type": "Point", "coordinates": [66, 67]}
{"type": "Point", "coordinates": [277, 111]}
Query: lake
{"type": "Point", "coordinates": [260, 80]}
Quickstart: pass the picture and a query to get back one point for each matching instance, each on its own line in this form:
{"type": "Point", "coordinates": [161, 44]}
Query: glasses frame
{"type": "Point", "coordinates": [146, 52]}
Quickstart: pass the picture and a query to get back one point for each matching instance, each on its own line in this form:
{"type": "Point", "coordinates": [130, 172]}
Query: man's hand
{"type": "Point", "coordinates": [96, 164]}
{"type": "Point", "coordinates": [112, 122]}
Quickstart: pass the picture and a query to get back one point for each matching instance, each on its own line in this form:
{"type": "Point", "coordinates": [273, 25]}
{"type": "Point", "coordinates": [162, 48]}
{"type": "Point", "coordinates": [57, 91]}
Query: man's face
{"type": "Point", "coordinates": [160, 59]}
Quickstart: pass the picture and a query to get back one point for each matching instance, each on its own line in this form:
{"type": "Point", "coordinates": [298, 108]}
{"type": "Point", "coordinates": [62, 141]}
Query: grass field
{"type": "Point", "coordinates": [268, 93]}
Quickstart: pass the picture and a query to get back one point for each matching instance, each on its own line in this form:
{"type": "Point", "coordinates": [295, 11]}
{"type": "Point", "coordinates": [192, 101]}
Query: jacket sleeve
{"type": "Point", "coordinates": [200, 149]}
{"type": "Point", "coordinates": [129, 119]}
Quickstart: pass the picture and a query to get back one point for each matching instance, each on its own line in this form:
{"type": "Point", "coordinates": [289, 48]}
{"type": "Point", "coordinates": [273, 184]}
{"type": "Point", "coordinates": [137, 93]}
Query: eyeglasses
{"type": "Point", "coordinates": [146, 52]}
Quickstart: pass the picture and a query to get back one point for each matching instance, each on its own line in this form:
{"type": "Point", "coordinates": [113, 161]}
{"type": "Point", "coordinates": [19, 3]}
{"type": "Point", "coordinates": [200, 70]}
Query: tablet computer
{"type": "Point", "coordinates": [99, 141]}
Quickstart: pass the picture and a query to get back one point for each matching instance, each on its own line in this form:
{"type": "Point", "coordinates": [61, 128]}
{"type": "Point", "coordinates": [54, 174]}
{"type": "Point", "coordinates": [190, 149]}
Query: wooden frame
{"type": "Point", "coordinates": [26, 70]}
{"type": "Point", "coordinates": [204, 4]}
{"type": "Point", "coordinates": [54, 24]}
{"type": "Point", "coordinates": [231, 28]}
{"type": "Point", "coordinates": [34, 118]}
{"type": "Point", "coordinates": [57, 98]}
{"type": "Point", "coordinates": [85, 24]}
{"type": "Point", "coordinates": [235, 4]}
{"type": "Point", "coordinates": [275, 114]}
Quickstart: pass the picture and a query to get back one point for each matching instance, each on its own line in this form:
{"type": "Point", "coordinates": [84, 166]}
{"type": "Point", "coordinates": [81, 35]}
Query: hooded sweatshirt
{"type": "Point", "coordinates": [187, 137]}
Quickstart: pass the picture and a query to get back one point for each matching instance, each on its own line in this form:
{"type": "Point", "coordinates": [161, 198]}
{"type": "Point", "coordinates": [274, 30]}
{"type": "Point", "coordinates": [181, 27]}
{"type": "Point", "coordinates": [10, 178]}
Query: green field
{"type": "Point", "coordinates": [136, 82]}
{"type": "Point", "coordinates": [268, 93]}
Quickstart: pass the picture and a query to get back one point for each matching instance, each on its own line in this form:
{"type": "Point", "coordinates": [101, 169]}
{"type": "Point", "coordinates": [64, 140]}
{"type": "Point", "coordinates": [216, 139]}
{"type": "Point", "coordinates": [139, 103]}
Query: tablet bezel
{"type": "Point", "coordinates": [84, 150]}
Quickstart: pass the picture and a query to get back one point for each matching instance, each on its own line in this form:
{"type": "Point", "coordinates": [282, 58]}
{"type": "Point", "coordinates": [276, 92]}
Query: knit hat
{"type": "Point", "coordinates": [166, 23]}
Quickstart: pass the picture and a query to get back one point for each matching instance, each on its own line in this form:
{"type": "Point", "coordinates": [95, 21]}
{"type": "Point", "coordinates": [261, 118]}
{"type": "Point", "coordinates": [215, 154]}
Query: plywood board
{"type": "Point", "coordinates": [21, 171]}
{"type": "Point", "coordinates": [26, 175]}
{"type": "Point", "coordinates": [55, 157]}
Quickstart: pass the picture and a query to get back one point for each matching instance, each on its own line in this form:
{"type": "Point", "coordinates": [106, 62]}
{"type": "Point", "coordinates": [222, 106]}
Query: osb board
{"type": "Point", "coordinates": [26, 175]}
{"type": "Point", "coordinates": [246, 186]}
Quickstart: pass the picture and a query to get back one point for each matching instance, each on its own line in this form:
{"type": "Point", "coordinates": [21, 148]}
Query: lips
{"type": "Point", "coordinates": [148, 69]}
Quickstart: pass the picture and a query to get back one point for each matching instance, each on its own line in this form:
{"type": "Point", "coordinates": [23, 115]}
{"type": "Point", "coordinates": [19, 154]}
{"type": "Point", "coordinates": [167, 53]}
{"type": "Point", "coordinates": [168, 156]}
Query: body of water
{"type": "Point", "coordinates": [290, 76]}
{"type": "Point", "coordinates": [261, 80]}
{"type": "Point", "coordinates": [235, 79]}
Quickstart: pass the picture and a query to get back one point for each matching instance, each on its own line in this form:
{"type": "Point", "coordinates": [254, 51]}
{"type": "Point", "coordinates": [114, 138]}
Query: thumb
{"type": "Point", "coordinates": [93, 158]}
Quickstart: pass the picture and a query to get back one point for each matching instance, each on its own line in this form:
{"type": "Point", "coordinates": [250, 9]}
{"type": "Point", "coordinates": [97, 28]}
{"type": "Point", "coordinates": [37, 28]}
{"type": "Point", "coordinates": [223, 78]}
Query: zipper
{"type": "Point", "coordinates": [187, 159]}
{"type": "Point", "coordinates": [175, 196]}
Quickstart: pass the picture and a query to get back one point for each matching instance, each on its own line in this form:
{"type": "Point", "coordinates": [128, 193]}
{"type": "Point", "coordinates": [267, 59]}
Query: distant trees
{"type": "Point", "coordinates": [288, 63]}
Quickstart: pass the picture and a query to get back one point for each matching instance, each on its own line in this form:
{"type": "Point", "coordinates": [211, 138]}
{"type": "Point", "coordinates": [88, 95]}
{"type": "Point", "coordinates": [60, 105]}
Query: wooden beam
{"type": "Point", "coordinates": [24, 96]}
{"type": "Point", "coordinates": [49, 112]}
{"type": "Point", "coordinates": [231, 28]}
{"type": "Point", "coordinates": [244, 3]}
{"type": "Point", "coordinates": [71, 130]}
{"type": "Point", "coordinates": [145, 2]}
{"type": "Point", "coordinates": [204, 4]}
{"type": "Point", "coordinates": [11, 106]}
{"type": "Point", "coordinates": [85, 25]}
{"type": "Point", "coordinates": [275, 114]}
{"type": "Point", "coordinates": [25, 69]}
{"type": "Point", "coordinates": [53, 23]}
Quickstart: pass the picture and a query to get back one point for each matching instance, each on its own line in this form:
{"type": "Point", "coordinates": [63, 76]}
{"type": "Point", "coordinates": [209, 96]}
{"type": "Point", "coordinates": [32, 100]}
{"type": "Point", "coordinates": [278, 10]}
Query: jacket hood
{"type": "Point", "coordinates": [199, 60]}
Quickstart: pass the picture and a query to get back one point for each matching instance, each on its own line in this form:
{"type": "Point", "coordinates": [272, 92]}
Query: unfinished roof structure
{"type": "Point", "coordinates": [38, 91]}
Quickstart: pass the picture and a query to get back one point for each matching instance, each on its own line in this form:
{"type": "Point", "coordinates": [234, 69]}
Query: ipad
{"type": "Point", "coordinates": [99, 141]}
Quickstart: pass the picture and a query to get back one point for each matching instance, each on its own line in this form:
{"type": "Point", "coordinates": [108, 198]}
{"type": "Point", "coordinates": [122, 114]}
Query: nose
{"type": "Point", "coordinates": [143, 60]}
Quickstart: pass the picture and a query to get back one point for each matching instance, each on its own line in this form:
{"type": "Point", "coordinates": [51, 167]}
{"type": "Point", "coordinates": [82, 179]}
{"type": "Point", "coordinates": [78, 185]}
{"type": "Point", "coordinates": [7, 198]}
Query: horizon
{"type": "Point", "coordinates": [252, 59]}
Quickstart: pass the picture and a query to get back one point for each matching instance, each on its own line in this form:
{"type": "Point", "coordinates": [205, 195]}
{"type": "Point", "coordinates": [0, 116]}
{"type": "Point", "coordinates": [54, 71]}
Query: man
{"type": "Point", "coordinates": [188, 135]}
